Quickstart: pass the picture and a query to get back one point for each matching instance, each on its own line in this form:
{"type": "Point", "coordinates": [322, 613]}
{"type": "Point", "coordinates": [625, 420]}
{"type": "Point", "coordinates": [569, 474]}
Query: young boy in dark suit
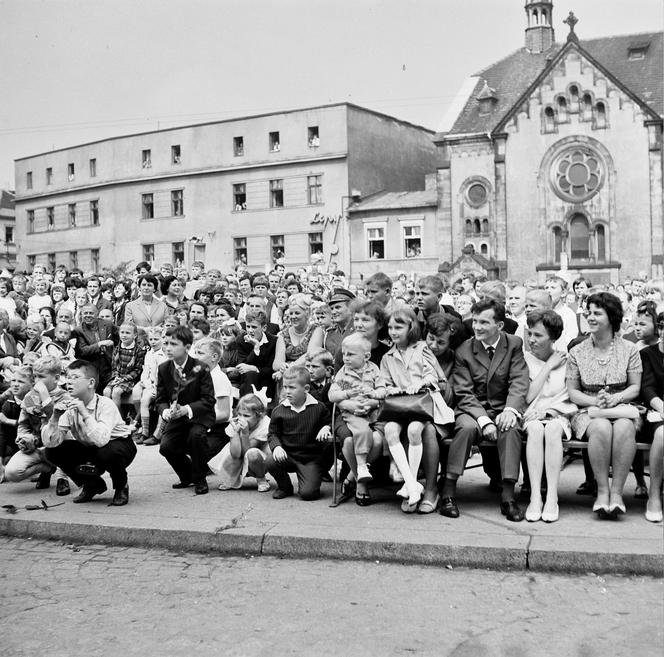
{"type": "Point", "coordinates": [185, 401]}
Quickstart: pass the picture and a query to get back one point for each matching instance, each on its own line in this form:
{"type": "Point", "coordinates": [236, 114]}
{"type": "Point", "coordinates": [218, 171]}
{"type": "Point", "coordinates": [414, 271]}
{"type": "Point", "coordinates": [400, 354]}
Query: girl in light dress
{"type": "Point", "coordinates": [246, 453]}
{"type": "Point", "coordinates": [408, 367]}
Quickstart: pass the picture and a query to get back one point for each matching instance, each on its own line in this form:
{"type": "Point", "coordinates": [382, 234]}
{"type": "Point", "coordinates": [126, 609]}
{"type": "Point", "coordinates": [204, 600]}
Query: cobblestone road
{"type": "Point", "coordinates": [87, 600]}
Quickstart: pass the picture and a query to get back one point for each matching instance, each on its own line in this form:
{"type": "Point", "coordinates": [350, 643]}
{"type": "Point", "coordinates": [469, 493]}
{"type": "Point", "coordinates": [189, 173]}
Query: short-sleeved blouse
{"type": "Point", "coordinates": [294, 351]}
{"type": "Point", "coordinates": [584, 368]}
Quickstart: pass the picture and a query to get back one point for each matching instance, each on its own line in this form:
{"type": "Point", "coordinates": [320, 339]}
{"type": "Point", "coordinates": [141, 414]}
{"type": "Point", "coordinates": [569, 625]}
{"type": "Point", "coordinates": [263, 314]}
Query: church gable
{"type": "Point", "coordinates": [575, 91]}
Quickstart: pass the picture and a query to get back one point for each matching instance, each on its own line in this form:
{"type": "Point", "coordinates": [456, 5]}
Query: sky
{"type": "Point", "coordinates": [74, 71]}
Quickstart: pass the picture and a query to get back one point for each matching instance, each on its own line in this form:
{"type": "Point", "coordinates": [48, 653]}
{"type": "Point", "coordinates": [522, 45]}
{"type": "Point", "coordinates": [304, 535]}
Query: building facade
{"type": "Point", "coordinates": [7, 230]}
{"type": "Point", "coordinates": [551, 159]}
{"type": "Point", "coordinates": [257, 190]}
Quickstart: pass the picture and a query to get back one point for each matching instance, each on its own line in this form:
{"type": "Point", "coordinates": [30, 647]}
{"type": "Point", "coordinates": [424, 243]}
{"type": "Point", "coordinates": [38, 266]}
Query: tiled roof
{"type": "Point", "coordinates": [6, 199]}
{"type": "Point", "coordinates": [397, 200]}
{"type": "Point", "coordinates": [510, 77]}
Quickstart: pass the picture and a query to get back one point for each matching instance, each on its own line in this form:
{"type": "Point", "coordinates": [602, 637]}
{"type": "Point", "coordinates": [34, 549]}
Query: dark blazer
{"type": "Point", "coordinates": [485, 387]}
{"type": "Point", "coordinates": [88, 349]}
{"type": "Point", "coordinates": [103, 304]}
{"type": "Point", "coordinates": [197, 391]}
{"type": "Point", "coordinates": [265, 356]}
{"type": "Point", "coordinates": [10, 345]}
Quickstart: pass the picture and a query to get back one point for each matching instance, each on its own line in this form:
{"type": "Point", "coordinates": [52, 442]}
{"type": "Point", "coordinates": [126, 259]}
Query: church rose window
{"type": "Point", "coordinates": [577, 174]}
{"type": "Point", "coordinates": [477, 194]}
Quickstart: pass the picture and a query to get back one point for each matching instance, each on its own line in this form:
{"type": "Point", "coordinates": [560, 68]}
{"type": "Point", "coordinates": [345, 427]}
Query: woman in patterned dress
{"type": "Point", "coordinates": [603, 376]}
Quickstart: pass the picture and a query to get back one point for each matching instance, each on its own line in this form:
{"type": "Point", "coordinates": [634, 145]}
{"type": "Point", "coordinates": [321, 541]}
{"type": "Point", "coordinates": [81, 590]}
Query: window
{"type": "Point", "coordinates": [146, 158]}
{"type": "Point", "coordinates": [376, 242]}
{"type": "Point", "coordinates": [577, 174]}
{"type": "Point", "coordinates": [50, 218]}
{"type": "Point", "coordinates": [314, 190]}
{"type": "Point", "coordinates": [148, 206]}
{"type": "Point", "coordinates": [312, 136]}
{"type": "Point", "coordinates": [600, 115]}
{"type": "Point", "coordinates": [477, 226]}
{"type": "Point", "coordinates": [240, 197]}
{"type": "Point", "coordinates": [9, 234]}
{"type": "Point", "coordinates": [28, 180]}
{"type": "Point", "coordinates": [469, 227]}
{"type": "Point", "coordinates": [485, 226]}
{"type": "Point", "coordinates": [72, 214]}
{"type": "Point", "coordinates": [579, 237]}
{"type": "Point", "coordinates": [49, 175]}
{"type": "Point", "coordinates": [240, 250]}
{"type": "Point", "coordinates": [94, 258]}
{"type": "Point", "coordinates": [32, 261]}
{"type": "Point", "coordinates": [93, 167]}
{"type": "Point", "coordinates": [175, 154]}
{"type": "Point", "coordinates": [557, 243]}
{"type": "Point", "coordinates": [484, 249]}
{"type": "Point", "coordinates": [587, 107]}
{"type": "Point", "coordinates": [276, 193]}
{"type": "Point", "coordinates": [574, 98]}
{"type": "Point", "coordinates": [476, 195]}
{"type": "Point", "coordinates": [275, 146]}
{"type": "Point", "coordinates": [549, 120]}
{"type": "Point", "coordinates": [601, 244]}
{"type": "Point", "coordinates": [177, 203]}
{"type": "Point", "coordinates": [238, 146]}
{"type": "Point", "coordinates": [71, 172]}
{"type": "Point", "coordinates": [148, 252]}
{"type": "Point", "coordinates": [94, 213]}
{"type": "Point", "coordinates": [277, 247]}
{"type": "Point", "coordinates": [51, 261]}
{"type": "Point", "coordinates": [412, 241]}
{"type": "Point", "coordinates": [315, 243]}
{"type": "Point", "coordinates": [178, 253]}
{"type": "Point", "coordinates": [31, 221]}
{"type": "Point", "coordinates": [562, 110]}
{"type": "Point", "coordinates": [73, 259]}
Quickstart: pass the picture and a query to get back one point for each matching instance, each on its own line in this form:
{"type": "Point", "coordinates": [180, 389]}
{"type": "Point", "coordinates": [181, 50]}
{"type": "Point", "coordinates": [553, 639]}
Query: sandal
{"type": "Point", "coordinates": [363, 499]}
{"type": "Point", "coordinates": [641, 493]}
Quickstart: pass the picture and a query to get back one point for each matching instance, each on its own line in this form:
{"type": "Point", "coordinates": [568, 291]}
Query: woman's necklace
{"type": "Point", "coordinates": [297, 334]}
{"type": "Point", "coordinates": [606, 358]}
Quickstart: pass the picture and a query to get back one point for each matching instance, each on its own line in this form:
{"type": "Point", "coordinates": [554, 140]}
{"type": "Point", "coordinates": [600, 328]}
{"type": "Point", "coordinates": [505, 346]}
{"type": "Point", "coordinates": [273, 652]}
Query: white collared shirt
{"type": "Point", "coordinates": [308, 401]}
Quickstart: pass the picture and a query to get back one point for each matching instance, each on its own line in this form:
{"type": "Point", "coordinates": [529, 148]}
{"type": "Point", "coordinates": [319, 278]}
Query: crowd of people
{"type": "Point", "coordinates": [242, 377]}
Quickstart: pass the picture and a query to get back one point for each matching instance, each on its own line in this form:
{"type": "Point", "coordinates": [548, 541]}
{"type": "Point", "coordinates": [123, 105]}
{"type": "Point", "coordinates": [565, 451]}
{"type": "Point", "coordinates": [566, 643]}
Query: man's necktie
{"type": "Point", "coordinates": [491, 351]}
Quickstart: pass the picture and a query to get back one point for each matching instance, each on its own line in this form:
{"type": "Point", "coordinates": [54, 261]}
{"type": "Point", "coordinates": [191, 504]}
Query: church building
{"type": "Point", "coordinates": [551, 159]}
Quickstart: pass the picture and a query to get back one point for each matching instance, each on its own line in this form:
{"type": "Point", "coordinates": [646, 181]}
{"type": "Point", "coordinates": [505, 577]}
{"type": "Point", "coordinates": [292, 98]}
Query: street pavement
{"type": "Point", "coordinates": [66, 600]}
{"type": "Point", "coordinates": [246, 522]}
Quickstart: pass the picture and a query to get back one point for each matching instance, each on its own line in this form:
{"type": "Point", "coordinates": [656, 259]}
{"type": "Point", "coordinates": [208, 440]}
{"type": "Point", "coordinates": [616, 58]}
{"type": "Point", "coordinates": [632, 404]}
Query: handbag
{"type": "Point", "coordinates": [407, 408]}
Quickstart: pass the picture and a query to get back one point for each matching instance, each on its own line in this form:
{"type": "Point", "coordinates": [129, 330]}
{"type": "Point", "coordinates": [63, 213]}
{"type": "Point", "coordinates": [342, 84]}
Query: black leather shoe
{"type": "Point", "coordinates": [62, 487]}
{"type": "Point", "coordinates": [448, 507]}
{"type": "Point", "coordinates": [44, 481]}
{"type": "Point", "coordinates": [201, 487]}
{"type": "Point", "coordinates": [89, 491]}
{"type": "Point", "coordinates": [511, 511]}
{"type": "Point", "coordinates": [181, 484]}
{"type": "Point", "coordinates": [121, 496]}
{"type": "Point", "coordinates": [281, 494]}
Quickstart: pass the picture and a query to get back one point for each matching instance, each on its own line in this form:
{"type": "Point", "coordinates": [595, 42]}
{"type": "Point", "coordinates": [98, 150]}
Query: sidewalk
{"type": "Point", "coordinates": [248, 523]}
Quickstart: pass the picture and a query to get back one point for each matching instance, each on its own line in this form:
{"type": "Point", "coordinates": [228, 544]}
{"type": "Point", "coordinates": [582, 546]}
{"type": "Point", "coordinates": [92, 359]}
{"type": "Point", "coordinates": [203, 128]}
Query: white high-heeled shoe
{"type": "Point", "coordinates": [550, 516]}
{"type": "Point", "coordinates": [534, 512]}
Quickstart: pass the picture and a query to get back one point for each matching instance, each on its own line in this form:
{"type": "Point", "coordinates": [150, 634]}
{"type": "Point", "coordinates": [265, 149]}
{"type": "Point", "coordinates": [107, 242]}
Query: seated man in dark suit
{"type": "Point", "coordinates": [256, 348]}
{"type": "Point", "coordinates": [185, 401]}
{"type": "Point", "coordinates": [95, 339]}
{"type": "Point", "coordinates": [490, 381]}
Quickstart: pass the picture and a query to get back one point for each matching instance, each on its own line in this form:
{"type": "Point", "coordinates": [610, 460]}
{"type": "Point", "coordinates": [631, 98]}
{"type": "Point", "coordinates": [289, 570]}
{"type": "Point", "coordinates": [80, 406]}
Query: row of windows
{"type": "Point", "coordinates": [277, 247]}
{"type": "Point", "coordinates": [177, 253]}
{"type": "Point", "coordinates": [274, 146]}
{"type": "Point", "coordinates": [584, 243]}
{"type": "Point", "coordinates": [176, 207]}
{"type": "Point", "coordinates": [59, 217]}
{"type": "Point", "coordinates": [411, 241]}
{"type": "Point", "coordinates": [575, 103]}
{"type": "Point", "coordinates": [477, 226]}
{"type": "Point", "coordinates": [71, 173]}
{"type": "Point", "coordinates": [71, 259]}
{"type": "Point", "coordinates": [314, 193]}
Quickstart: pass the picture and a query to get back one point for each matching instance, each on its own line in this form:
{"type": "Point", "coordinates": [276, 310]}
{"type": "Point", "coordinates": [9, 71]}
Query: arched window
{"type": "Point", "coordinates": [469, 226]}
{"type": "Point", "coordinates": [477, 226]}
{"type": "Point", "coordinates": [485, 226]}
{"type": "Point", "coordinates": [549, 120]}
{"type": "Point", "coordinates": [574, 98]}
{"type": "Point", "coordinates": [484, 249]}
{"type": "Point", "coordinates": [600, 115]}
{"type": "Point", "coordinates": [579, 237]}
{"type": "Point", "coordinates": [601, 244]}
{"type": "Point", "coordinates": [587, 107]}
{"type": "Point", "coordinates": [535, 17]}
{"type": "Point", "coordinates": [562, 110]}
{"type": "Point", "coordinates": [557, 243]}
